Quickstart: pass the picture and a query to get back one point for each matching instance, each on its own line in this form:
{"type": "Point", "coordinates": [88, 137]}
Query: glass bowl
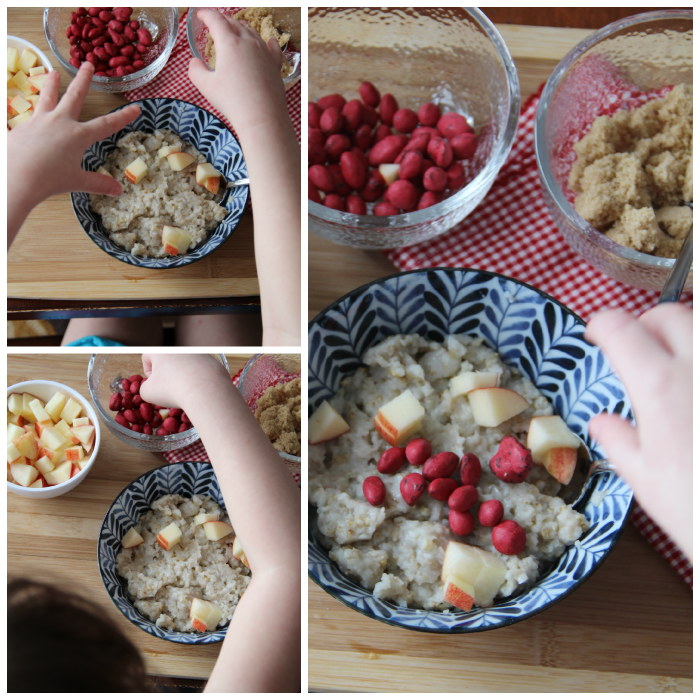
{"type": "Point", "coordinates": [644, 53]}
{"type": "Point", "coordinates": [287, 17]}
{"type": "Point", "coordinates": [105, 373]}
{"type": "Point", "coordinates": [452, 56]}
{"type": "Point", "coordinates": [263, 371]}
{"type": "Point", "coordinates": [161, 22]}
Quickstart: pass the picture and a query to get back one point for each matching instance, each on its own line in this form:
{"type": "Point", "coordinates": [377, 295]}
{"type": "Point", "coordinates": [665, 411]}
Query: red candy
{"type": "Point", "coordinates": [418, 451]}
{"type": "Point", "coordinates": [331, 121]}
{"type": "Point", "coordinates": [461, 524]}
{"type": "Point", "coordinates": [435, 179]}
{"type": "Point", "coordinates": [440, 152]}
{"type": "Point", "coordinates": [374, 490]}
{"type": "Point", "coordinates": [490, 513]}
{"type": "Point", "coordinates": [388, 106]}
{"type": "Point", "coordinates": [429, 114]}
{"type": "Point", "coordinates": [336, 101]}
{"type": "Point", "coordinates": [172, 425]}
{"type": "Point", "coordinates": [470, 469]}
{"type": "Point", "coordinates": [508, 537]}
{"type": "Point", "coordinates": [463, 498]}
{"type": "Point", "coordinates": [513, 461]}
{"type": "Point", "coordinates": [115, 402]}
{"type": "Point", "coordinates": [369, 94]}
{"type": "Point", "coordinates": [412, 487]}
{"type": "Point", "coordinates": [355, 205]}
{"type": "Point", "coordinates": [440, 465]}
{"type": "Point", "coordinates": [441, 489]}
{"type": "Point", "coordinates": [452, 124]}
{"type": "Point", "coordinates": [464, 145]}
{"type": "Point", "coordinates": [391, 460]}
{"type": "Point", "coordinates": [405, 120]}
{"type": "Point", "coordinates": [402, 194]}
{"type": "Point", "coordinates": [386, 209]}
{"type": "Point", "coordinates": [353, 114]}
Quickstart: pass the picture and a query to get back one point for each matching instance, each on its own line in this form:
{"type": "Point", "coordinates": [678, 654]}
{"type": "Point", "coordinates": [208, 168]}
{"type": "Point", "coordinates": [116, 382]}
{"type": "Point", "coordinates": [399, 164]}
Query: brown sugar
{"type": "Point", "coordinates": [279, 414]}
{"type": "Point", "coordinates": [632, 171]}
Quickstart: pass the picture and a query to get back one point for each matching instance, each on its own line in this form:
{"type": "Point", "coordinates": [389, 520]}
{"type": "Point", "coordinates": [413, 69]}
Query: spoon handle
{"type": "Point", "coordinates": [601, 465]}
{"type": "Point", "coordinates": [676, 279]}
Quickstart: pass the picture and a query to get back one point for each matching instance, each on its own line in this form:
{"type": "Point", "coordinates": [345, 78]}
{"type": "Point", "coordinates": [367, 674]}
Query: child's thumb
{"type": "Point", "coordinates": [198, 74]}
{"type": "Point", "coordinates": [95, 183]}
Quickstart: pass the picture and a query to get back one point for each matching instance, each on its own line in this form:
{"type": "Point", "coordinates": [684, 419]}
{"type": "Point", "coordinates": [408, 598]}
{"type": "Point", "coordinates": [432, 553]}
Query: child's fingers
{"type": "Point", "coordinates": [276, 51]}
{"type": "Point", "coordinates": [671, 325]}
{"type": "Point", "coordinates": [621, 444]}
{"type": "Point", "coordinates": [198, 73]}
{"type": "Point", "coordinates": [147, 364]}
{"type": "Point", "coordinates": [72, 102]}
{"type": "Point", "coordinates": [95, 183]}
{"type": "Point", "coordinates": [219, 27]}
{"type": "Point", "coordinates": [48, 97]}
{"type": "Point", "coordinates": [103, 127]}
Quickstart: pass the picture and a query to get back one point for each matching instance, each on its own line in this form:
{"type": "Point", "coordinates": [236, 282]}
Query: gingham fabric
{"type": "Point", "coordinates": [172, 81]}
{"type": "Point", "coordinates": [511, 232]}
{"type": "Point", "coordinates": [196, 452]}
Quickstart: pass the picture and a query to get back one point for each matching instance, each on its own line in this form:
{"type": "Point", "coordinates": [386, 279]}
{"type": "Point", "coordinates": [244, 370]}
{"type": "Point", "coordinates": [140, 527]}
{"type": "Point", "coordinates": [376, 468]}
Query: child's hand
{"type": "Point", "coordinates": [246, 86]}
{"type": "Point", "coordinates": [45, 153]}
{"type": "Point", "coordinates": [170, 379]}
{"type": "Point", "coordinates": [654, 357]}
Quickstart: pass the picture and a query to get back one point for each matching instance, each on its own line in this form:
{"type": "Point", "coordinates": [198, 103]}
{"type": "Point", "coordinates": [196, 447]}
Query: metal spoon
{"type": "Point", "coordinates": [586, 467]}
{"type": "Point", "coordinates": [221, 194]}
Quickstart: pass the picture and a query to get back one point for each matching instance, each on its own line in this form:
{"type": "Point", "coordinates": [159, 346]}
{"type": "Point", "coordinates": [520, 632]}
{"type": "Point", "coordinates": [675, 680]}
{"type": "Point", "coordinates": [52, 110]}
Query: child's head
{"type": "Point", "coordinates": [60, 643]}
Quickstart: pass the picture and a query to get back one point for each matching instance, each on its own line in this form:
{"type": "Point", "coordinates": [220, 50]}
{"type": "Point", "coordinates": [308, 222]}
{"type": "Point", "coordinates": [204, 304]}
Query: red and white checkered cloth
{"type": "Point", "coordinates": [511, 232]}
{"type": "Point", "coordinates": [172, 81]}
{"type": "Point", "coordinates": [196, 452]}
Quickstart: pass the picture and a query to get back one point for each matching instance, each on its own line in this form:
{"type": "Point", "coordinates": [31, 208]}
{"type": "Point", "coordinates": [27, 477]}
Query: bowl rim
{"type": "Point", "coordinates": [501, 623]}
{"type": "Point", "coordinates": [100, 565]}
{"type": "Point", "coordinates": [492, 165]}
{"type": "Point", "coordinates": [291, 80]}
{"type": "Point", "coordinates": [547, 178]}
{"type": "Point", "coordinates": [171, 262]}
{"type": "Point", "coordinates": [87, 405]}
{"type": "Point", "coordinates": [40, 54]}
{"type": "Point", "coordinates": [120, 429]}
{"type": "Point", "coordinates": [284, 455]}
{"type": "Point", "coordinates": [106, 80]}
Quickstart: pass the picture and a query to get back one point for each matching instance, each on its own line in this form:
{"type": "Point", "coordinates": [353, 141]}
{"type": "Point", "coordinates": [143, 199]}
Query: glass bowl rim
{"type": "Point", "coordinates": [549, 183]}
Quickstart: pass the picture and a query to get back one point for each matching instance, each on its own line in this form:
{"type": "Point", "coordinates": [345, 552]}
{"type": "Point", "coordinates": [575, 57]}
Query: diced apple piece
{"type": "Point", "coordinates": [85, 434]}
{"type": "Point", "coordinates": [63, 428]}
{"type": "Point", "coordinates": [169, 536]}
{"type": "Point", "coordinates": [482, 570]}
{"type": "Point", "coordinates": [75, 469]}
{"type": "Point", "coordinates": [468, 381]}
{"type": "Point", "coordinates": [12, 60]}
{"type": "Point", "coordinates": [55, 406]}
{"type": "Point", "coordinates": [82, 463]}
{"type": "Point", "coordinates": [23, 474]}
{"type": "Point", "coordinates": [167, 150]}
{"type": "Point", "coordinates": [216, 529]}
{"type": "Point", "coordinates": [13, 454]}
{"type": "Point", "coordinates": [40, 426]}
{"type": "Point", "coordinates": [37, 70]}
{"type": "Point", "coordinates": [39, 411]}
{"type": "Point", "coordinates": [325, 424]}
{"type": "Point", "coordinates": [459, 593]}
{"type": "Point", "coordinates": [83, 420]}
{"type": "Point", "coordinates": [38, 484]}
{"type": "Point", "coordinates": [19, 79]}
{"type": "Point", "coordinates": [205, 518]}
{"type": "Point", "coordinates": [34, 99]}
{"type": "Point", "coordinates": [399, 419]}
{"type": "Point", "coordinates": [14, 431]}
{"type": "Point", "coordinates": [495, 405]}
{"type": "Point", "coordinates": [27, 60]}
{"type": "Point", "coordinates": [12, 91]}
{"type": "Point", "coordinates": [27, 446]}
{"type": "Point", "coordinates": [54, 455]}
{"type": "Point", "coordinates": [52, 438]}
{"type": "Point", "coordinates": [164, 412]}
{"type": "Point", "coordinates": [71, 411]}
{"type": "Point", "coordinates": [560, 462]}
{"type": "Point", "coordinates": [37, 82]}
{"type": "Point", "coordinates": [175, 240]}
{"type": "Point", "coordinates": [546, 432]}
{"type": "Point", "coordinates": [204, 172]}
{"type": "Point", "coordinates": [73, 454]}
{"type": "Point", "coordinates": [27, 89]}
{"type": "Point", "coordinates": [15, 404]}
{"type": "Point", "coordinates": [103, 171]}
{"type": "Point", "coordinates": [27, 412]}
{"type": "Point", "coordinates": [20, 105]}
{"type": "Point", "coordinates": [136, 171]}
{"type": "Point", "coordinates": [179, 161]}
{"type": "Point", "coordinates": [10, 84]}
{"type": "Point", "coordinates": [204, 615]}
{"type": "Point", "coordinates": [12, 418]}
{"type": "Point", "coordinates": [389, 172]}
{"type": "Point", "coordinates": [60, 474]}
{"type": "Point", "coordinates": [44, 465]}
{"type": "Point", "coordinates": [131, 539]}
{"type": "Point", "coordinates": [238, 553]}
{"type": "Point", "coordinates": [212, 184]}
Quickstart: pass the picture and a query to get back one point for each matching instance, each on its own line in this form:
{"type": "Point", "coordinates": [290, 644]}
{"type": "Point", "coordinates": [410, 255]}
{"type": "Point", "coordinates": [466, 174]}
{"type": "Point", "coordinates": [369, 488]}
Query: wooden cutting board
{"type": "Point", "coordinates": [627, 629]}
{"type": "Point", "coordinates": [55, 540]}
{"type": "Point", "coordinates": [53, 258]}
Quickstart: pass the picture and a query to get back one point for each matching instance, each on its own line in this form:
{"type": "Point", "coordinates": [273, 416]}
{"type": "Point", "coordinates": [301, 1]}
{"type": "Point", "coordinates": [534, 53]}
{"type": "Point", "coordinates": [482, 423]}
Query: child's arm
{"type": "Point", "coordinates": [654, 357]}
{"type": "Point", "coordinates": [261, 652]}
{"type": "Point", "coordinates": [247, 87]}
{"type": "Point", "coordinates": [44, 154]}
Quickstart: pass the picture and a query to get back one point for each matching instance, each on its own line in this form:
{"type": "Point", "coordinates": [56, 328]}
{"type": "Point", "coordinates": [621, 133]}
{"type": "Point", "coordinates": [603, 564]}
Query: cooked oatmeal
{"type": "Point", "coordinates": [634, 169]}
{"type": "Point", "coordinates": [164, 197]}
{"type": "Point", "coordinates": [396, 551]}
{"type": "Point", "coordinates": [279, 413]}
{"type": "Point", "coordinates": [162, 584]}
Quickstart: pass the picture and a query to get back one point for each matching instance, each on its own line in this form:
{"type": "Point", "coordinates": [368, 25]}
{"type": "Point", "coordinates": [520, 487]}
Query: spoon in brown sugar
{"type": "Point", "coordinates": [676, 279]}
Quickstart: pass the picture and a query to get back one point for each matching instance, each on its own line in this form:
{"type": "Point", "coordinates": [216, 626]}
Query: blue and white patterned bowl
{"type": "Point", "coordinates": [210, 136]}
{"type": "Point", "coordinates": [184, 478]}
{"type": "Point", "coordinates": [531, 331]}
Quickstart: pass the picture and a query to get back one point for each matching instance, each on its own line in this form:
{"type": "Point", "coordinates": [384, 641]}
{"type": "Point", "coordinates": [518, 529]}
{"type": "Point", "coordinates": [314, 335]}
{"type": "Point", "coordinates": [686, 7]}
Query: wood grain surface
{"type": "Point", "coordinates": [55, 540]}
{"type": "Point", "coordinates": [52, 257]}
{"type": "Point", "coordinates": [627, 629]}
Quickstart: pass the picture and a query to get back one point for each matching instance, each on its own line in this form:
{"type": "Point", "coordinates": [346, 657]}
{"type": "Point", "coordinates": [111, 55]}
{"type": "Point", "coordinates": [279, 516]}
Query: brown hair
{"type": "Point", "coordinates": [59, 642]}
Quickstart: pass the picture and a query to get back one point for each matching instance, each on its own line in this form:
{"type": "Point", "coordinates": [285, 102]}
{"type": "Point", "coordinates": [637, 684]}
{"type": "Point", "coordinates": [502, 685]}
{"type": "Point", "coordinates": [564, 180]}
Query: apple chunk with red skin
{"type": "Point", "coordinates": [204, 615]}
{"type": "Point", "coordinates": [560, 462]}
{"type": "Point", "coordinates": [325, 424]}
{"type": "Point", "coordinates": [492, 406]}
{"type": "Point", "coordinates": [202, 518]}
{"type": "Point", "coordinates": [216, 529]}
{"type": "Point", "coordinates": [179, 161]}
{"type": "Point", "coordinates": [547, 432]}
{"type": "Point", "coordinates": [471, 572]}
{"type": "Point", "coordinates": [131, 539]}
{"type": "Point", "coordinates": [208, 176]}
{"type": "Point", "coordinates": [169, 536]}
{"type": "Point", "coordinates": [136, 171]}
{"type": "Point", "coordinates": [27, 446]}
{"type": "Point", "coordinates": [60, 474]}
{"type": "Point", "coordinates": [23, 474]}
{"type": "Point", "coordinates": [399, 419]}
{"type": "Point", "coordinates": [238, 553]}
{"type": "Point", "coordinates": [175, 240]}
{"type": "Point", "coordinates": [55, 406]}
{"type": "Point", "coordinates": [468, 381]}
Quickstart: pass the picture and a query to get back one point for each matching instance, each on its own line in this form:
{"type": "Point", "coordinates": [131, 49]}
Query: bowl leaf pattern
{"type": "Point", "coordinates": [210, 136]}
{"type": "Point", "coordinates": [531, 331]}
{"type": "Point", "coordinates": [184, 478]}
